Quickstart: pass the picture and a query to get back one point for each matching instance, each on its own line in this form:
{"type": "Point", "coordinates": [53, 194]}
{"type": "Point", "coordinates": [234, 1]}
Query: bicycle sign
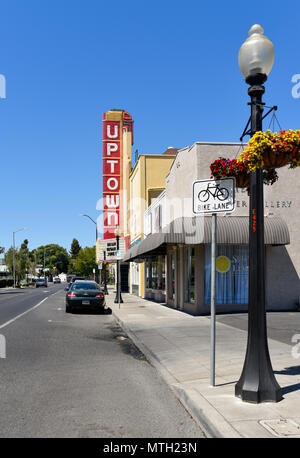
{"type": "Point", "coordinates": [212, 196]}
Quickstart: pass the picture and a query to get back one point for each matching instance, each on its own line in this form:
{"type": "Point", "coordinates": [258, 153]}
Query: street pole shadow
{"type": "Point", "coordinates": [292, 370]}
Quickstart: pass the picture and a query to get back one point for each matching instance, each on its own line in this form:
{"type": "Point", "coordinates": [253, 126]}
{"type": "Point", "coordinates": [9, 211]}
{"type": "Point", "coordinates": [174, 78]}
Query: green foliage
{"type": "Point", "coordinates": [85, 261]}
{"type": "Point", "coordinates": [75, 248]}
{"type": "Point", "coordinates": [22, 260]}
{"type": "Point", "coordinates": [55, 256]}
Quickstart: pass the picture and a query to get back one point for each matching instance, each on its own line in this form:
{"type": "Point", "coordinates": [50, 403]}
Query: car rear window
{"type": "Point", "coordinates": [77, 286]}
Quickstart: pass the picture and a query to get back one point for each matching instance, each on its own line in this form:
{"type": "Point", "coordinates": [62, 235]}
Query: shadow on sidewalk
{"type": "Point", "coordinates": [292, 370]}
{"type": "Point", "coordinates": [291, 388]}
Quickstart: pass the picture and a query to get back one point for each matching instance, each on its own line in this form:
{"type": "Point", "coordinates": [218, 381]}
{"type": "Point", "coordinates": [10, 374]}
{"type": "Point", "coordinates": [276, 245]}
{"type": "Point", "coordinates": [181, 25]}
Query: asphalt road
{"type": "Point", "coordinates": [14, 302]}
{"type": "Point", "coordinates": [78, 375]}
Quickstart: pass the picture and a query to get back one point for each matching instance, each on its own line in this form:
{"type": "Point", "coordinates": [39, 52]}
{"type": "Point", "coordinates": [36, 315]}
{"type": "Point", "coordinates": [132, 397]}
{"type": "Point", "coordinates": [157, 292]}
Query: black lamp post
{"type": "Point", "coordinates": [118, 298]}
{"type": "Point", "coordinates": [257, 382]}
{"type": "Point", "coordinates": [104, 266]}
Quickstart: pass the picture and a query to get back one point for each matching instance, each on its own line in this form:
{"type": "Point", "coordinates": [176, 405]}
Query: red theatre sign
{"type": "Point", "coordinates": [116, 124]}
{"type": "Point", "coordinates": [111, 176]}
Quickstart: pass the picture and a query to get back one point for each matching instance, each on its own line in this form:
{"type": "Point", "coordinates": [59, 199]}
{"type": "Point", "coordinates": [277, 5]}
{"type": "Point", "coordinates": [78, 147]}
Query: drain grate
{"type": "Point", "coordinates": [282, 427]}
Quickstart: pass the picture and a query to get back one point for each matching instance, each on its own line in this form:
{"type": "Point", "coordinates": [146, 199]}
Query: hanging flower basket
{"type": "Point", "coordinates": [231, 168]}
{"type": "Point", "coordinates": [275, 159]}
{"type": "Point", "coordinates": [223, 168]}
{"type": "Point", "coordinates": [270, 150]}
{"type": "Point", "coordinates": [242, 180]}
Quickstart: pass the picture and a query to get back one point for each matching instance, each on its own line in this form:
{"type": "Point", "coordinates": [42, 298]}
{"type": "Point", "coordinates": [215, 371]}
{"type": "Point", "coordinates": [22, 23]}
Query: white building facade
{"type": "Point", "coordinates": [177, 243]}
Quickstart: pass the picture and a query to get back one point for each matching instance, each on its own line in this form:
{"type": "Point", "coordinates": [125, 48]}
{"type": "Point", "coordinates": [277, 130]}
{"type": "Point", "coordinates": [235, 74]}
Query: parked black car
{"type": "Point", "coordinates": [85, 294]}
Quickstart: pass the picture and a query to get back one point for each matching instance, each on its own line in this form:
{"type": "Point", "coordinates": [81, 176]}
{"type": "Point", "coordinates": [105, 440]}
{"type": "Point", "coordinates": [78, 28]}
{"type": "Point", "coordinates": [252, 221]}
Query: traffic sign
{"type": "Point", "coordinates": [214, 196]}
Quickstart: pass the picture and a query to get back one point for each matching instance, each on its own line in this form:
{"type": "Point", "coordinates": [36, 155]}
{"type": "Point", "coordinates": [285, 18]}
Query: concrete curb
{"type": "Point", "coordinates": [212, 423]}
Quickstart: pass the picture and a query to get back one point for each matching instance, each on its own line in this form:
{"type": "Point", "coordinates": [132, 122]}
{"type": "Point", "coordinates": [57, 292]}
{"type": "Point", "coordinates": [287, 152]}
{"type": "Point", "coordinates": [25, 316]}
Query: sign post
{"type": "Point", "coordinates": [213, 196]}
{"type": "Point", "coordinates": [213, 299]}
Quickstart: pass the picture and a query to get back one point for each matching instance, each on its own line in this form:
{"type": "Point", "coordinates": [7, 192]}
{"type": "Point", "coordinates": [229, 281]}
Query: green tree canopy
{"type": "Point", "coordinates": [55, 256]}
{"type": "Point", "coordinates": [75, 248]}
{"type": "Point", "coordinates": [85, 261]}
{"type": "Point", "coordinates": [22, 260]}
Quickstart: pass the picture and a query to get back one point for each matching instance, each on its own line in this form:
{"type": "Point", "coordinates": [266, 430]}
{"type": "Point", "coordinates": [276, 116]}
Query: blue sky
{"type": "Point", "coordinates": [171, 64]}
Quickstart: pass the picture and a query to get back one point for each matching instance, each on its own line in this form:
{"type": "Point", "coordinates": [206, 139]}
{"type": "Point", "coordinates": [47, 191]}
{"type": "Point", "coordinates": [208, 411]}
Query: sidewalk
{"type": "Point", "coordinates": [178, 345]}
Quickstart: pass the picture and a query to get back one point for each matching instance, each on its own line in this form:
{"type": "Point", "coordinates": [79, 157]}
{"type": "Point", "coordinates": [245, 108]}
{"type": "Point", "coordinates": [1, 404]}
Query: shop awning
{"type": "Point", "coordinates": [154, 244]}
{"type": "Point", "coordinates": [231, 230]}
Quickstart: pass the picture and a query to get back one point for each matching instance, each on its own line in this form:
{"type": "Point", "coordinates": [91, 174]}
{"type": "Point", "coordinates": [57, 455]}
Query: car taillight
{"type": "Point", "coordinates": [71, 294]}
{"type": "Point", "coordinates": [100, 295]}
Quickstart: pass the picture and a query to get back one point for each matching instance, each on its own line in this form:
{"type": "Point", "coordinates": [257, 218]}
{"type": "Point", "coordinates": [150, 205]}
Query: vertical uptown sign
{"type": "Point", "coordinates": [111, 176]}
{"type": "Point", "coordinates": [114, 123]}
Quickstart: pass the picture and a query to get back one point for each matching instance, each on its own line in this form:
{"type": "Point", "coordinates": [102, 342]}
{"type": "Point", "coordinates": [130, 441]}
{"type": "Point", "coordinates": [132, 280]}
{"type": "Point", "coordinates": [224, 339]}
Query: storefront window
{"type": "Point", "coordinates": [189, 264]}
{"type": "Point", "coordinates": [135, 278]}
{"type": "Point", "coordinates": [161, 273]}
{"type": "Point", "coordinates": [172, 276]}
{"type": "Point", "coordinates": [148, 273]}
{"type": "Point", "coordinates": [232, 278]}
{"type": "Point", "coordinates": [156, 273]}
{"type": "Point", "coordinates": [154, 284]}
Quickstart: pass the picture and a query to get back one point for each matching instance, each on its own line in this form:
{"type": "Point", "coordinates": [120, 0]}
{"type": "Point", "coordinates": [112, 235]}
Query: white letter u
{"type": "Point", "coordinates": [109, 134]}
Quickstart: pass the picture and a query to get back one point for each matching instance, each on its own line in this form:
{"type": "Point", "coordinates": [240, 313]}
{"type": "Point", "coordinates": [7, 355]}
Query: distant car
{"type": "Point", "coordinates": [41, 282]}
{"type": "Point", "coordinates": [85, 295]}
{"type": "Point", "coordinates": [56, 280]}
{"type": "Point", "coordinates": [73, 279]}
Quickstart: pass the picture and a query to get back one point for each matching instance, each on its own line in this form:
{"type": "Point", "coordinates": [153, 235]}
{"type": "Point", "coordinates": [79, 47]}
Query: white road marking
{"type": "Point", "coordinates": [56, 293]}
{"type": "Point", "coordinates": [22, 314]}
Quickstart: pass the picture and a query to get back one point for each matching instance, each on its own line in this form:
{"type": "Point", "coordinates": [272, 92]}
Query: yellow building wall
{"type": "Point", "coordinates": [148, 174]}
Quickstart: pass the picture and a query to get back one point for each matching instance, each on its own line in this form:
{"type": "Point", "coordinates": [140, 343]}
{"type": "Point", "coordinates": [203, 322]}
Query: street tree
{"type": "Point", "coordinates": [24, 259]}
{"type": "Point", "coordinates": [85, 261]}
{"type": "Point", "coordinates": [52, 255]}
{"type": "Point", "coordinates": [75, 248]}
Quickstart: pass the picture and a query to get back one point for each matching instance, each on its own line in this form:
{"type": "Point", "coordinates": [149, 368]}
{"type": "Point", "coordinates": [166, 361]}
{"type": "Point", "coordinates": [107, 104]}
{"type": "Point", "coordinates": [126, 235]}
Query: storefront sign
{"type": "Point", "coordinates": [110, 247]}
{"type": "Point", "coordinates": [214, 196]}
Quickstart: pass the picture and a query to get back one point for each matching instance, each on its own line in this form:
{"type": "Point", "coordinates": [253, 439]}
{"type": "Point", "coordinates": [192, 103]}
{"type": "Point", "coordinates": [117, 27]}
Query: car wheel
{"type": "Point", "coordinates": [68, 309]}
